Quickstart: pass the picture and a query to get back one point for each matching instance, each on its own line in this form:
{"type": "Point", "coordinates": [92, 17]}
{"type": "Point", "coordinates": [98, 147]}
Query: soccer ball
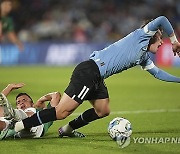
{"type": "Point", "coordinates": [119, 128]}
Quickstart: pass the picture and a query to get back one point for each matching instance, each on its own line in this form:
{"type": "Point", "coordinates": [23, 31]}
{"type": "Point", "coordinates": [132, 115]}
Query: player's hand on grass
{"type": "Point", "coordinates": [176, 48]}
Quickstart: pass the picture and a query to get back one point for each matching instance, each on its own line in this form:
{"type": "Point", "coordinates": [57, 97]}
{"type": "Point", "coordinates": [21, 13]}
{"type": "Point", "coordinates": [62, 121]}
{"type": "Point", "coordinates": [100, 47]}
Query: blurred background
{"type": "Point", "coordinates": [57, 33]}
{"type": "Point", "coordinates": [65, 32]}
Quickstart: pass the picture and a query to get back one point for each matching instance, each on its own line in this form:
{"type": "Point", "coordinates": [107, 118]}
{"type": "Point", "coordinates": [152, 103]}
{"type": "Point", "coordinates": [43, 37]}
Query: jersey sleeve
{"type": "Point", "coordinates": [149, 66]}
{"type": "Point", "coordinates": [152, 27]}
{"type": "Point", "coordinates": [162, 75]}
{"type": "Point", "coordinates": [147, 63]}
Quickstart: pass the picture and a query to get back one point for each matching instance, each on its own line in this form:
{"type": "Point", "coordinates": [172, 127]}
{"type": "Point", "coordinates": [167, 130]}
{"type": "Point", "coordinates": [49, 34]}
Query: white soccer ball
{"type": "Point", "coordinates": [119, 128]}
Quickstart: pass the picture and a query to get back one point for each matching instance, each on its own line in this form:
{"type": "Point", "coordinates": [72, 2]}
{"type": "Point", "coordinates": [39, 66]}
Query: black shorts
{"type": "Point", "coordinates": [86, 83]}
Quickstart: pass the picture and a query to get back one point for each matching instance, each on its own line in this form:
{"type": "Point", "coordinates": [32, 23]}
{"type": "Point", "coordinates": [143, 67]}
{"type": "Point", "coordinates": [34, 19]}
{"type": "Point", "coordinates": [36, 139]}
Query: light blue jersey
{"type": "Point", "coordinates": [131, 51]}
{"type": "Point", "coordinates": [123, 54]}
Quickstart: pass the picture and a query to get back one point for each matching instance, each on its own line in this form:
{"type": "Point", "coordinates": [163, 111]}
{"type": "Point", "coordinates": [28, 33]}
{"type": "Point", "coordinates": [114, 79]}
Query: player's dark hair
{"type": "Point", "coordinates": [145, 22]}
{"type": "Point", "coordinates": [21, 94]}
{"type": "Point", "coordinates": [153, 38]}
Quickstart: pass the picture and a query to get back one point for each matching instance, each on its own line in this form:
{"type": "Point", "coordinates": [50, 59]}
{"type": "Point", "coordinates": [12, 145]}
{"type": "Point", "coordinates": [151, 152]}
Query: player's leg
{"type": "Point", "coordinates": [49, 124]}
{"type": "Point", "coordinates": [100, 101]}
{"type": "Point", "coordinates": [8, 111]}
{"type": "Point", "coordinates": [66, 106]}
{"type": "Point", "coordinates": [83, 79]}
{"type": "Point", "coordinates": [100, 110]}
{"type": "Point", "coordinates": [101, 107]}
{"type": "Point", "coordinates": [10, 116]}
{"type": "Point", "coordinates": [4, 128]}
{"type": "Point", "coordinates": [2, 125]}
{"type": "Point", "coordinates": [1, 111]}
{"type": "Point", "coordinates": [5, 106]}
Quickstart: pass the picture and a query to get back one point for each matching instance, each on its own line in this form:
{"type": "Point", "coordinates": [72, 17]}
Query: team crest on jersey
{"type": "Point", "coordinates": [102, 63]}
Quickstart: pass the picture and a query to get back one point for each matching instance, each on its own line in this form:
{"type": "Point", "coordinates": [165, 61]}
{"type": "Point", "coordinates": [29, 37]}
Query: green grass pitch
{"type": "Point", "coordinates": [134, 90]}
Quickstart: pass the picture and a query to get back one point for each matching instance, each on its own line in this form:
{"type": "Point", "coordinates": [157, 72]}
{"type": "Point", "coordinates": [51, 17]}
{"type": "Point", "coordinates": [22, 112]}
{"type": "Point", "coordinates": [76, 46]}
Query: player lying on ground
{"type": "Point", "coordinates": [87, 80]}
{"type": "Point", "coordinates": [25, 108]}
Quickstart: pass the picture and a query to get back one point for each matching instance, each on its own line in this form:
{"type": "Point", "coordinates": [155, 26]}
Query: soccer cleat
{"type": "Point", "coordinates": [72, 134]}
{"type": "Point", "coordinates": [9, 112]}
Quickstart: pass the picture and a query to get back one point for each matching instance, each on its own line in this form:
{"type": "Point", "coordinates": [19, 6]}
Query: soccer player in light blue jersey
{"type": "Point", "coordinates": [87, 80]}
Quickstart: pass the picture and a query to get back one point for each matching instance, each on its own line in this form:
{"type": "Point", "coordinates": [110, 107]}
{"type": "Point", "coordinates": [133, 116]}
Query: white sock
{"type": "Point", "coordinates": [67, 128]}
{"type": "Point", "coordinates": [19, 126]}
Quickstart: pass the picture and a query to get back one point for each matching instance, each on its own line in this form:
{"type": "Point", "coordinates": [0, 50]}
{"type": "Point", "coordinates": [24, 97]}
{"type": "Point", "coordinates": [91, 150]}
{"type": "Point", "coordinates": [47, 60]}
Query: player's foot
{"type": "Point", "coordinates": [9, 127]}
{"type": "Point", "coordinates": [9, 112]}
{"type": "Point", "coordinates": [72, 134]}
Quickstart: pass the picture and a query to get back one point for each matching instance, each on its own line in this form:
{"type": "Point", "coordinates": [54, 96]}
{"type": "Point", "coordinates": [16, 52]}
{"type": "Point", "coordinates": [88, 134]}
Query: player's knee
{"type": "Point", "coordinates": [61, 114]}
{"type": "Point", "coordinates": [103, 113]}
{"type": "Point", "coordinates": [107, 112]}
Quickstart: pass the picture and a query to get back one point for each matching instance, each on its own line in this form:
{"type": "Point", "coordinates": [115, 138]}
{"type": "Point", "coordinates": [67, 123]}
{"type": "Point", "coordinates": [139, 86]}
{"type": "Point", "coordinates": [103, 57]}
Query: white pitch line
{"type": "Point", "coordinates": [138, 111]}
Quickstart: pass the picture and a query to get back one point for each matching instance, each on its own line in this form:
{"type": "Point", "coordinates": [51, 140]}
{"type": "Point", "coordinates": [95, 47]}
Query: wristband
{"type": "Point", "coordinates": [173, 39]}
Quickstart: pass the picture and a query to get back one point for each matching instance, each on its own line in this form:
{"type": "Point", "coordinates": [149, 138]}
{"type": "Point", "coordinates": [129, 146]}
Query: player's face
{"type": "Point", "coordinates": [155, 46]}
{"type": "Point", "coordinates": [23, 102]}
{"type": "Point", "coordinates": [6, 7]}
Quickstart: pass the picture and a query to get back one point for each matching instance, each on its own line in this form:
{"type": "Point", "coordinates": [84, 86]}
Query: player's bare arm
{"type": "Point", "coordinates": [11, 87]}
{"type": "Point", "coordinates": [53, 97]}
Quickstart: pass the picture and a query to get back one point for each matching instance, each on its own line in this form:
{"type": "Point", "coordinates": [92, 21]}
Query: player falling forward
{"type": "Point", "coordinates": [87, 81]}
{"type": "Point", "coordinates": [25, 108]}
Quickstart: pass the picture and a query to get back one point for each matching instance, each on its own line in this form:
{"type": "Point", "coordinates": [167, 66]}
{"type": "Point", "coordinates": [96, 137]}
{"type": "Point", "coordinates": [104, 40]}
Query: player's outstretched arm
{"type": "Point", "coordinates": [53, 97]}
{"type": "Point", "coordinates": [162, 75]}
{"type": "Point", "coordinates": [162, 22]}
{"type": "Point", "coordinates": [159, 22]}
{"type": "Point", "coordinates": [11, 87]}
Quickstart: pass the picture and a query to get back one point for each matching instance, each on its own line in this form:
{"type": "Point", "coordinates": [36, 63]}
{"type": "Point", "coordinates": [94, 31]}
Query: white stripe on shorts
{"type": "Point", "coordinates": [83, 92]}
{"type": "Point", "coordinates": [73, 96]}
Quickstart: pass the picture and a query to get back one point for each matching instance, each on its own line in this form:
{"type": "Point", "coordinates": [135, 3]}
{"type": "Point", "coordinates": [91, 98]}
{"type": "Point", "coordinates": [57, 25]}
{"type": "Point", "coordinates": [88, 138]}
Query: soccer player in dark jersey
{"type": "Point", "coordinates": [7, 26]}
{"type": "Point", "coordinates": [87, 80]}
